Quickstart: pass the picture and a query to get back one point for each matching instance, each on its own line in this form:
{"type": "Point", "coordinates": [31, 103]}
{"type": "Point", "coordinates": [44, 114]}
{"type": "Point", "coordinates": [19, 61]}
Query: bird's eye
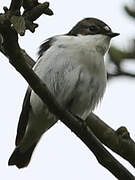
{"type": "Point", "coordinates": [93, 28]}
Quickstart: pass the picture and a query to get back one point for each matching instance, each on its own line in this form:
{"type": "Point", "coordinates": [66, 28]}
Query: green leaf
{"type": "Point", "coordinates": [18, 22]}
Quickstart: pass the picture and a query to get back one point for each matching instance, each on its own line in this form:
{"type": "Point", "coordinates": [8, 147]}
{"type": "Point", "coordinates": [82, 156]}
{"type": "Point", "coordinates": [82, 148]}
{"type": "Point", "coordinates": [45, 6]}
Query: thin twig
{"type": "Point", "coordinates": [121, 73]}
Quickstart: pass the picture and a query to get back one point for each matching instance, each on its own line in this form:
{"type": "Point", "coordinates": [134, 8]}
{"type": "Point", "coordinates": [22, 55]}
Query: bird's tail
{"type": "Point", "coordinates": [20, 159]}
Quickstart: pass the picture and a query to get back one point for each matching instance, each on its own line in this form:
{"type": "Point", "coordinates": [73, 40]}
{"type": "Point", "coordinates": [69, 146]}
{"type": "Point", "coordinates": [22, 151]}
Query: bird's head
{"type": "Point", "coordinates": [99, 32]}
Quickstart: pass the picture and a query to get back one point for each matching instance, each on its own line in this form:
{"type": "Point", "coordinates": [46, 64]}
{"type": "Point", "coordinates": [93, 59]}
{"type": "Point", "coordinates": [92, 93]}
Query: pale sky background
{"type": "Point", "coordinates": [60, 154]}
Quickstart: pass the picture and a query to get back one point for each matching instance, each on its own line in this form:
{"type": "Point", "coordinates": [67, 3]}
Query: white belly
{"type": "Point", "coordinates": [88, 94]}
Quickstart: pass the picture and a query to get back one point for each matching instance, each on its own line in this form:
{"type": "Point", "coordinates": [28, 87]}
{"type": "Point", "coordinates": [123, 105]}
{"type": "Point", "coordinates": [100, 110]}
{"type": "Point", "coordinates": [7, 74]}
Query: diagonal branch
{"type": "Point", "coordinates": [118, 141]}
{"type": "Point", "coordinates": [76, 125]}
{"type": "Point", "coordinates": [19, 59]}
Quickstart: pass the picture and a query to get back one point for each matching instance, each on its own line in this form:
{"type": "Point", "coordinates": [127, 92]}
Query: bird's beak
{"type": "Point", "coordinates": [112, 34]}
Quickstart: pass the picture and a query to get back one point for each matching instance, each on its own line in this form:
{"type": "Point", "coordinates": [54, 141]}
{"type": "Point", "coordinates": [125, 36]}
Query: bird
{"type": "Point", "coordinates": [72, 67]}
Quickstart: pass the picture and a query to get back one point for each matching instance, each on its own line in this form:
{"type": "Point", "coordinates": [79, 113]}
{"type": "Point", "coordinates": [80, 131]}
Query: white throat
{"type": "Point", "coordinates": [99, 42]}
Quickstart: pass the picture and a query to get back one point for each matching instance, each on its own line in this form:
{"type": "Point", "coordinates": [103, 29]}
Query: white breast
{"type": "Point", "coordinates": [73, 66]}
{"type": "Point", "coordinates": [73, 70]}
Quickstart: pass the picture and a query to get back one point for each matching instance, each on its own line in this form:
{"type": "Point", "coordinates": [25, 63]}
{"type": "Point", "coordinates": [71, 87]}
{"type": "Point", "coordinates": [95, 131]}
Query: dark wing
{"type": "Point", "coordinates": [46, 45]}
{"type": "Point", "coordinates": [23, 120]}
{"type": "Point", "coordinates": [24, 116]}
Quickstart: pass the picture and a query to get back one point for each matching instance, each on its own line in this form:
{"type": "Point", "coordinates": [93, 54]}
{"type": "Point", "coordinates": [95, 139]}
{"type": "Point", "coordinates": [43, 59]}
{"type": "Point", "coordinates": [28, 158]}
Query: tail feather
{"type": "Point", "coordinates": [19, 159]}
